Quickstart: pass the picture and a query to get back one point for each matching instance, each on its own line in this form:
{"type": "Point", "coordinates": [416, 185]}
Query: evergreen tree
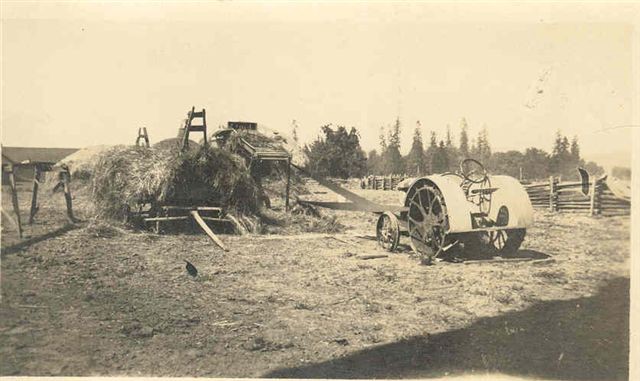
{"type": "Point", "coordinates": [382, 140]}
{"type": "Point", "coordinates": [337, 153]}
{"type": "Point", "coordinates": [535, 164]}
{"type": "Point", "coordinates": [433, 140]}
{"type": "Point", "coordinates": [415, 158]}
{"type": "Point", "coordinates": [481, 149]}
{"type": "Point", "coordinates": [431, 152]}
{"type": "Point", "coordinates": [561, 163]}
{"type": "Point", "coordinates": [464, 138]}
{"type": "Point", "coordinates": [575, 149]}
{"type": "Point", "coordinates": [392, 157]}
{"type": "Point", "coordinates": [453, 153]}
{"type": "Point", "coordinates": [440, 162]}
{"type": "Point", "coordinates": [374, 163]}
{"type": "Point", "coordinates": [294, 130]}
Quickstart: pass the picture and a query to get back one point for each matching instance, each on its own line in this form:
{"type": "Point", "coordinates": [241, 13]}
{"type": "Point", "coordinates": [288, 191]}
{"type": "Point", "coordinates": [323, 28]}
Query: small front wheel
{"type": "Point", "coordinates": [506, 242]}
{"type": "Point", "coordinates": [388, 231]}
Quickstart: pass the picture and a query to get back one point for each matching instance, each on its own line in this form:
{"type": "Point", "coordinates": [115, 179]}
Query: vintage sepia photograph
{"type": "Point", "coordinates": [319, 190]}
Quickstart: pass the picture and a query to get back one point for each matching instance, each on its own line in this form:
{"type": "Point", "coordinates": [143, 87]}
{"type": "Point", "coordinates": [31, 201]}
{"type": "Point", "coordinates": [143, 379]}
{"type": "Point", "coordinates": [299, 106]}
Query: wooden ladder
{"type": "Point", "coordinates": [190, 127]}
{"type": "Point", "coordinates": [142, 135]}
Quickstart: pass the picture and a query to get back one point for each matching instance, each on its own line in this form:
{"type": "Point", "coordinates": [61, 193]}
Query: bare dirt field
{"type": "Point", "coordinates": [97, 300]}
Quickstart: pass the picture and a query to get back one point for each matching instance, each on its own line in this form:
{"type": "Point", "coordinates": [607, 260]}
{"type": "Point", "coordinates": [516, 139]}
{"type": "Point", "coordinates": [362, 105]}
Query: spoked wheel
{"type": "Point", "coordinates": [506, 242]}
{"type": "Point", "coordinates": [388, 231]}
{"type": "Point", "coordinates": [428, 223]}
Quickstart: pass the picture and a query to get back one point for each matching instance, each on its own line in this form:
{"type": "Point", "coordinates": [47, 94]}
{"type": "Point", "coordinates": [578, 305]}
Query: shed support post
{"type": "Point", "coordinates": [286, 202]}
{"type": "Point", "coordinates": [34, 196]}
{"type": "Point", "coordinates": [14, 198]}
{"type": "Point", "coordinates": [66, 179]}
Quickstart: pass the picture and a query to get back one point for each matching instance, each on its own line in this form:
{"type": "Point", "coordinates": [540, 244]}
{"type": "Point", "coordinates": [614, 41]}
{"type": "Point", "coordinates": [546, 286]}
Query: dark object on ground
{"type": "Point", "coordinates": [191, 269]}
{"type": "Point", "coordinates": [372, 256]}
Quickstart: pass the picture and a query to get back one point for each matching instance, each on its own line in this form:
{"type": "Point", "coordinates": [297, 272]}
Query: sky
{"type": "Point", "coordinates": [82, 74]}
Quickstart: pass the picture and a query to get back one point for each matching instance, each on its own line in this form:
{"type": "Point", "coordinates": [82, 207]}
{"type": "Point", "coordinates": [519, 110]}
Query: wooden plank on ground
{"type": "Point", "coordinates": [206, 229]}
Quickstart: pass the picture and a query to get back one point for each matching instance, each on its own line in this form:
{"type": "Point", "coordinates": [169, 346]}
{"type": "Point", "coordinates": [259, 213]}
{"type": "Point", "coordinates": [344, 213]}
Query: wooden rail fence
{"type": "Point", "coordinates": [382, 182]}
{"type": "Point", "coordinates": [568, 197]}
{"type": "Point", "coordinates": [552, 195]}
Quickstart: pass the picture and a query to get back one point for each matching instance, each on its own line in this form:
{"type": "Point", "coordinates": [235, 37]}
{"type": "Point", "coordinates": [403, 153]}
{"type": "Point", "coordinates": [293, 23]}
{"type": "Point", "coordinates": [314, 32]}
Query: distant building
{"type": "Point", "coordinates": [28, 155]}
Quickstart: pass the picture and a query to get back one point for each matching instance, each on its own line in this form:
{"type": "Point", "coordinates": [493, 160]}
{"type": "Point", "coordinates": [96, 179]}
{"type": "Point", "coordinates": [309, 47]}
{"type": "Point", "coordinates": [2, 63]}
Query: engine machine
{"type": "Point", "coordinates": [467, 211]}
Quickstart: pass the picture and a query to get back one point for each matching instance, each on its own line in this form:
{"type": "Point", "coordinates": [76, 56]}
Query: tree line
{"type": "Point", "coordinates": [337, 153]}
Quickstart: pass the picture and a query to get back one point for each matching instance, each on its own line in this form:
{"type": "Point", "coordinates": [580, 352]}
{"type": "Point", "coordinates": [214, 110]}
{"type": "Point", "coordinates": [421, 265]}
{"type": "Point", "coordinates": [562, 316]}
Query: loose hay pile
{"type": "Point", "coordinates": [130, 176]}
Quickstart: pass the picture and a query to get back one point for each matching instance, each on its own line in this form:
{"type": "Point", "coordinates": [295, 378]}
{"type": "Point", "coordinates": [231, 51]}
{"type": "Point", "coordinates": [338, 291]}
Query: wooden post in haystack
{"type": "Point", "coordinates": [14, 196]}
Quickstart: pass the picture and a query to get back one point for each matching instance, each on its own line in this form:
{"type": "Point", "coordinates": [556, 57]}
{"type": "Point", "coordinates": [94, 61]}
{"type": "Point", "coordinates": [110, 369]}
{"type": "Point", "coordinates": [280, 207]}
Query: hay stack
{"type": "Point", "coordinates": [82, 162]}
{"type": "Point", "coordinates": [81, 165]}
{"type": "Point", "coordinates": [203, 176]}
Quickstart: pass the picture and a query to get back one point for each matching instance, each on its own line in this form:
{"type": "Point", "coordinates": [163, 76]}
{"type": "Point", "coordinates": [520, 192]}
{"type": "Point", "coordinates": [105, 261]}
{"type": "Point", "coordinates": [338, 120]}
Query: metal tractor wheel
{"type": "Point", "coordinates": [428, 221]}
{"type": "Point", "coordinates": [388, 231]}
{"type": "Point", "coordinates": [506, 242]}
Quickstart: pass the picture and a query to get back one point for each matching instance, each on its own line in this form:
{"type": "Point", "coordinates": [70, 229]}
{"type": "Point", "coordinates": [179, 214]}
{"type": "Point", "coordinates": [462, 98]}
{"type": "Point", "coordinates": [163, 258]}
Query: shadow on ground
{"type": "Point", "coordinates": [33, 240]}
{"type": "Point", "coordinates": [530, 254]}
{"type": "Point", "coordinates": [578, 339]}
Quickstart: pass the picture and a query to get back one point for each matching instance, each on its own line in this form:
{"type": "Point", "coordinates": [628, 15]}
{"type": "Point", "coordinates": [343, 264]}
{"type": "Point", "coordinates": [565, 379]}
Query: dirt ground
{"type": "Point", "coordinates": [91, 299]}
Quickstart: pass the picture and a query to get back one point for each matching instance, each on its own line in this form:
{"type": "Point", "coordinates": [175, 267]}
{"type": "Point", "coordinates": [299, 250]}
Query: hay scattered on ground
{"type": "Point", "coordinates": [296, 222]}
{"type": "Point", "coordinates": [101, 229]}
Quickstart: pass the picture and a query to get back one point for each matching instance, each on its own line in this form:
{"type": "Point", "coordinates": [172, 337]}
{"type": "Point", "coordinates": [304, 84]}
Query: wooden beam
{"type": "Point", "coordinates": [157, 219]}
{"type": "Point", "coordinates": [206, 229]}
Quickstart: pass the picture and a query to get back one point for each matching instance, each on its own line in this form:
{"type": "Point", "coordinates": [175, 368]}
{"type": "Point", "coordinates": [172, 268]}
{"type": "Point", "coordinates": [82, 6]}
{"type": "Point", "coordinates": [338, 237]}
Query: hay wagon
{"type": "Point", "coordinates": [239, 138]}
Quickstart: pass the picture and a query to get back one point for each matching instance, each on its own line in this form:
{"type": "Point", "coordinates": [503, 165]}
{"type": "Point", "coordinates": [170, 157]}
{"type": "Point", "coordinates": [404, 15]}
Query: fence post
{"type": "Point", "coordinates": [592, 200]}
{"type": "Point", "coordinates": [552, 192]}
{"type": "Point", "coordinates": [597, 205]}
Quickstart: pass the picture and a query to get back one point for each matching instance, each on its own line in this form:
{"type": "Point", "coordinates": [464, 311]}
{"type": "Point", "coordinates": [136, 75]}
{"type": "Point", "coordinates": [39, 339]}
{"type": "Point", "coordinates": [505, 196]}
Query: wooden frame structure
{"type": "Point", "coordinates": [64, 177]}
{"type": "Point", "coordinates": [159, 214]}
{"type": "Point", "coordinates": [190, 127]}
{"type": "Point", "coordinates": [143, 136]}
{"type": "Point", "coordinates": [257, 154]}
